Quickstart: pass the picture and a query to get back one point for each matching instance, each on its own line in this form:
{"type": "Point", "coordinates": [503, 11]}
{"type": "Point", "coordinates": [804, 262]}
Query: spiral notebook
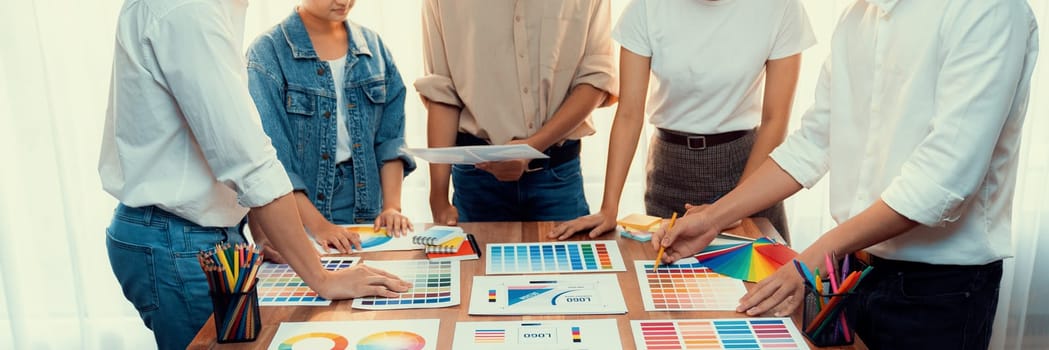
{"type": "Point", "coordinates": [468, 250]}
{"type": "Point", "coordinates": [438, 235]}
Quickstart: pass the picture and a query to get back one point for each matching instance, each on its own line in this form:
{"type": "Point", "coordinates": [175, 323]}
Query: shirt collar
{"type": "Point", "coordinates": [885, 6]}
{"type": "Point", "coordinates": [301, 46]}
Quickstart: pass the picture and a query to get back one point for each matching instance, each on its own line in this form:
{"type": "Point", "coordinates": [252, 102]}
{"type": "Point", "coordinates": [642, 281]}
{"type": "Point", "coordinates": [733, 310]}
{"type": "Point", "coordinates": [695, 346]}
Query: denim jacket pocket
{"type": "Point", "coordinates": [299, 102]}
{"type": "Point", "coordinates": [376, 92]}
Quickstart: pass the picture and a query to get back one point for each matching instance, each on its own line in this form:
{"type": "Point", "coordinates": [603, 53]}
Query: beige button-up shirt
{"type": "Point", "coordinates": [509, 64]}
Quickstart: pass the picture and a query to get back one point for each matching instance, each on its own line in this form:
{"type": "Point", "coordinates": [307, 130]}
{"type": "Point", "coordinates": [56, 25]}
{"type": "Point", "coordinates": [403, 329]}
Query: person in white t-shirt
{"type": "Point", "coordinates": [918, 116]}
{"type": "Point", "coordinates": [725, 73]}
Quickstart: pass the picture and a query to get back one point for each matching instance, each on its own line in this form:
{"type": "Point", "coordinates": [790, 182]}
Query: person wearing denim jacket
{"type": "Point", "coordinates": [294, 88]}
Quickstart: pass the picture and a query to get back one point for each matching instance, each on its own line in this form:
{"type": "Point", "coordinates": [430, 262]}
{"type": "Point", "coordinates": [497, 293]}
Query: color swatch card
{"type": "Point", "coordinates": [280, 285]}
{"type": "Point", "coordinates": [361, 335]}
{"type": "Point", "coordinates": [748, 261]}
{"type": "Point", "coordinates": [686, 285]}
{"type": "Point", "coordinates": [528, 335]}
{"type": "Point", "coordinates": [728, 333]}
{"type": "Point", "coordinates": [434, 284]}
{"type": "Point", "coordinates": [546, 295]}
{"type": "Point", "coordinates": [378, 240]}
{"type": "Point", "coordinates": [551, 257]}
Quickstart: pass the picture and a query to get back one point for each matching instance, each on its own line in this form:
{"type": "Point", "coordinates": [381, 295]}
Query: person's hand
{"type": "Point", "coordinates": [689, 235]}
{"type": "Point", "coordinates": [334, 236]}
{"type": "Point", "coordinates": [360, 281]}
{"type": "Point", "coordinates": [780, 293]}
{"type": "Point", "coordinates": [696, 209]}
{"type": "Point", "coordinates": [506, 170]}
{"type": "Point", "coordinates": [396, 223]}
{"type": "Point", "coordinates": [444, 213]}
{"type": "Point", "coordinates": [598, 224]}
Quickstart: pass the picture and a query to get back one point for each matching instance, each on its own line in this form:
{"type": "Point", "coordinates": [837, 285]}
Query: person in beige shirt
{"type": "Point", "coordinates": [514, 71]}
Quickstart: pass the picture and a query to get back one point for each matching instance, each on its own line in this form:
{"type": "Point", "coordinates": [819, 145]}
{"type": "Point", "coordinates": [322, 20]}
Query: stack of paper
{"type": "Point", "coordinates": [639, 227]}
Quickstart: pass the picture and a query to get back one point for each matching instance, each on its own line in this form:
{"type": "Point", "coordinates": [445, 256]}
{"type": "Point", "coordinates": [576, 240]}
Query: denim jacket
{"type": "Point", "coordinates": [295, 96]}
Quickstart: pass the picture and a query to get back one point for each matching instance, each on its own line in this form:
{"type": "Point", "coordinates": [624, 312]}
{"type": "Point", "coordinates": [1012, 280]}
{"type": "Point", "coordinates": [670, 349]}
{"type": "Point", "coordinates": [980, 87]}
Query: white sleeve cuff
{"type": "Point", "coordinates": [920, 199]}
{"type": "Point", "coordinates": [263, 185]}
{"type": "Point", "coordinates": [801, 160]}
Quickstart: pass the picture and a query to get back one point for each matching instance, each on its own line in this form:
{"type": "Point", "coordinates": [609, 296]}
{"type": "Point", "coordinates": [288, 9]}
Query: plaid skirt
{"type": "Point", "coordinates": [677, 175]}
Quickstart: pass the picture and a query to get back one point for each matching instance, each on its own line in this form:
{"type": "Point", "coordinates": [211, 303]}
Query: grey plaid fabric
{"type": "Point", "coordinates": [677, 175]}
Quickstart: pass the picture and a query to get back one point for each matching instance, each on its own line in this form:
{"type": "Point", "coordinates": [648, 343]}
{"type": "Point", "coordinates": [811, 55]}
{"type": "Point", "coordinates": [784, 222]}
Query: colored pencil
{"type": "Point", "coordinates": [659, 256]}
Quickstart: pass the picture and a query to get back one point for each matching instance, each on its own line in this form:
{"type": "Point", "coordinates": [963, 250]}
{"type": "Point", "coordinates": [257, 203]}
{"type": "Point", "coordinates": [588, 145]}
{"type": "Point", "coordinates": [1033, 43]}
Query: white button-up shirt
{"type": "Point", "coordinates": [181, 129]}
{"type": "Point", "coordinates": [921, 104]}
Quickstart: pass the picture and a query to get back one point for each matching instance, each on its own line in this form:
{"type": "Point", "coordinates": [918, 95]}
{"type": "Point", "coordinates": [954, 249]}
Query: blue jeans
{"type": "Point", "coordinates": [907, 305]}
{"type": "Point", "coordinates": [345, 195]}
{"type": "Point", "coordinates": [154, 257]}
{"type": "Point", "coordinates": [550, 194]}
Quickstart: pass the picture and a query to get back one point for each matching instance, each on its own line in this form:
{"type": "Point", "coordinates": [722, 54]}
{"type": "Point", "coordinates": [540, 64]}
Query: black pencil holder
{"type": "Point", "coordinates": [827, 323]}
{"type": "Point", "coordinates": [237, 315]}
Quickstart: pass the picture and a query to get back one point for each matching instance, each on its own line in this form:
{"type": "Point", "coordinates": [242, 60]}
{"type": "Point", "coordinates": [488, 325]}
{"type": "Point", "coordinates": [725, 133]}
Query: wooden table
{"type": "Point", "coordinates": [502, 232]}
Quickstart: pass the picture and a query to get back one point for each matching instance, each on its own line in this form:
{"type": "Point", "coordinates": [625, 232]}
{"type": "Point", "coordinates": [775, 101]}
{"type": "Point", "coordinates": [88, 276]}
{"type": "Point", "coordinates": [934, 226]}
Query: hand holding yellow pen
{"type": "Point", "coordinates": [659, 256]}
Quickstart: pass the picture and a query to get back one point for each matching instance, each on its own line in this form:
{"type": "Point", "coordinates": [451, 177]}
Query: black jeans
{"type": "Point", "coordinates": [908, 305]}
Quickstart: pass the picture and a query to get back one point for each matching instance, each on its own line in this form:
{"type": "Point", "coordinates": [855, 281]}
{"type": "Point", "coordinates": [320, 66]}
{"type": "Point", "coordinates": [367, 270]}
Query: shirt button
{"type": "Point", "coordinates": [320, 71]}
{"type": "Point", "coordinates": [325, 156]}
{"type": "Point", "coordinates": [517, 18]}
{"type": "Point", "coordinates": [320, 196]}
{"type": "Point", "coordinates": [351, 106]}
{"type": "Point", "coordinates": [530, 125]}
{"type": "Point", "coordinates": [327, 114]}
{"type": "Point", "coordinates": [525, 90]}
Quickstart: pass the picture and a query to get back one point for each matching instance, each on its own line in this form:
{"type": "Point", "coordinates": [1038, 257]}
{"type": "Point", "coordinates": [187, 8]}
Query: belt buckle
{"type": "Point", "coordinates": [700, 140]}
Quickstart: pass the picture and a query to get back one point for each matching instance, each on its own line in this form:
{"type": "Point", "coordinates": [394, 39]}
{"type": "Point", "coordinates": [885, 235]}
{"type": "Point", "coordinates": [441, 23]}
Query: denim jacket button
{"type": "Point", "coordinates": [350, 106]}
{"type": "Point", "coordinates": [320, 196]}
{"type": "Point", "coordinates": [325, 156]}
{"type": "Point", "coordinates": [360, 220]}
{"type": "Point", "coordinates": [327, 114]}
{"type": "Point", "coordinates": [356, 145]}
{"type": "Point", "coordinates": [320, 71]}
{"type": "Point", "coordinates": [360, 184]}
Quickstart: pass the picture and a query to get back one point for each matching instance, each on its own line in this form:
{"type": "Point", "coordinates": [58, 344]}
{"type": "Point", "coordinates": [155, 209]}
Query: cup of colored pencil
{"type": "Point", "coordinates": [826, 319]}
{"type": "Point", "coordinates": [231, 271]}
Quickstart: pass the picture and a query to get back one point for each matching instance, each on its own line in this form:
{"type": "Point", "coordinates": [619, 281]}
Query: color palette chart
{"type": "Point", "coordinates": [551, 257]}
{"type": "Point", "coordinates": [748, 261]}
{"type": "Point", "coordinates": [728, 333]}
{"type": "Point", "coordinates": [280, 285]}
{"type": "Point", "coordinates": [434, 284]}
{"type": "Point", "coordinates": [546, 295]}
{"type": "Point", "coordinates": [360, 335]}
{"type": "Point", "coordinates": [686, 285]}
{"type": "Point", "coordinates": [545, 334]}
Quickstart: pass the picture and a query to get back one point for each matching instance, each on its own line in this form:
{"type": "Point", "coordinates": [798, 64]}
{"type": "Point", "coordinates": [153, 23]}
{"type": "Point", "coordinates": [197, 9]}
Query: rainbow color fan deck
{"type": "Point", "coordinates": [748, 261]}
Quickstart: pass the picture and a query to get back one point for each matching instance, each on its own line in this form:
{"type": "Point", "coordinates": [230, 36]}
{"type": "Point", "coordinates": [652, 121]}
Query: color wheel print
{"type": "Point", "coordinates": [392, 340]}
{"type": "Point", "coordinates": [370, 237]}
{"type": "Point", "coordinates": [338, 342]}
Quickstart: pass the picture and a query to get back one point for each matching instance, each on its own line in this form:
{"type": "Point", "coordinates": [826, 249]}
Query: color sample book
{"type": "Point", "coordinates": [727, 333]}
{"type": "Point", "coordinates": [686, 285]}
{"type": "Point", "coordinates": [434, 284]}
{"type": "Point", "coordinates": [551, 257]}
{"type": "Point", "coordinates": [378, 240]}
{"type": "Point", "coordinates": [280, 285]}
{"type": "Point", "coordinates": [546, 334]}
{"type": "Point", "coordinates": [546, 295]}
{"type": "Point", "coordinates": [748, 261]}
{"type": "Point", "coordinates": [361, 335]}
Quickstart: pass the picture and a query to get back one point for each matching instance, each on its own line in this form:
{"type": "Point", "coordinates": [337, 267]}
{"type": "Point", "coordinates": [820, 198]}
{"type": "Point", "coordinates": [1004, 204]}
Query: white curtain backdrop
{"type": "Point", "coordinates": [55, 62]}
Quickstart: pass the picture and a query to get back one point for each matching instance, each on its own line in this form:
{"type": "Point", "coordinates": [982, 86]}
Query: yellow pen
{"type": "Point", "coordinates": [659, 256]}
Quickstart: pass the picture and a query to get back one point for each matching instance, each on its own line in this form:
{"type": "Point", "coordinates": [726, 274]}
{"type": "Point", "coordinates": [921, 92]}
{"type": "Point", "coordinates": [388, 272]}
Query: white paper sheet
{"type": "Point", "coordinates": [547, 295]}
{"type": "Point", "coordinates": [475, 154]}
{"type": "Point", "coordinates": [538, 334]}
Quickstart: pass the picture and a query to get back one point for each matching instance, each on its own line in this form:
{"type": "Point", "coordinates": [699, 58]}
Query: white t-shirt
{"type": "Point", "coordinates": [342, 134]}
{"type": "Point", "coordinates": [708, 57]}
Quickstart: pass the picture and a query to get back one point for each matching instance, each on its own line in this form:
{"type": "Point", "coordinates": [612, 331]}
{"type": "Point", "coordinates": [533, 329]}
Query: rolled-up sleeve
{"type": "Point", "coordinates": [597, 67]}
{"type": "Point", "coordinates": [804, 155]}
{"type": "Point", "coordinates": [204, 71]}
{"type": "Point", "coordinates": [436, 83]}
{"type": "Point", "coordinates": [974, 93]}
{"type": "Point", "coordinates": [389, 141]}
